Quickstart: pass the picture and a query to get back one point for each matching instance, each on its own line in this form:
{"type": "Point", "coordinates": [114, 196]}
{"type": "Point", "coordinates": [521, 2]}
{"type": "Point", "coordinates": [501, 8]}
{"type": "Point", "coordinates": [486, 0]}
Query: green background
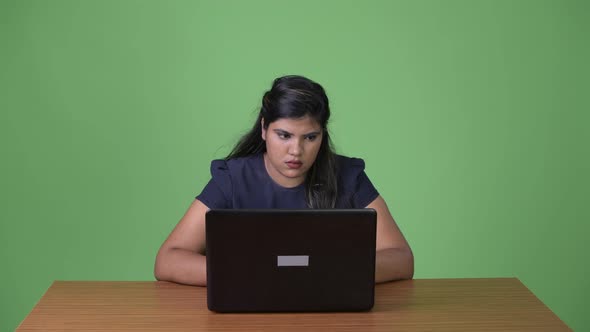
{"type": "Point", "coordinates": [472, 117]}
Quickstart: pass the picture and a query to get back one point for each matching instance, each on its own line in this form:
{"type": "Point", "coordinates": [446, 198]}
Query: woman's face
{"type": "Point", "coordinates": [292, 146]}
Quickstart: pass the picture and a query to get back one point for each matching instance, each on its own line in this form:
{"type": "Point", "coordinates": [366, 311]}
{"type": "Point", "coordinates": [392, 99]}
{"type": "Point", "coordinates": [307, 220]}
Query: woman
{"type": "Point", "coordinates": [285, 161]}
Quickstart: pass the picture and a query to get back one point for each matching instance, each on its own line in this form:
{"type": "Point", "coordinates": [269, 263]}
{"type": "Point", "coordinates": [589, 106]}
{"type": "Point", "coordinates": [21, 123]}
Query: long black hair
{"type": "Point", "coordinates": [294, 97]}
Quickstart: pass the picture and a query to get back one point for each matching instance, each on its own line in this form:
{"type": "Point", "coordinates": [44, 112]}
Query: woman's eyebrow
{"type": "Point", "coordinates": [281, 131]}
{"type": "Point", "coordinates": [284, 132]}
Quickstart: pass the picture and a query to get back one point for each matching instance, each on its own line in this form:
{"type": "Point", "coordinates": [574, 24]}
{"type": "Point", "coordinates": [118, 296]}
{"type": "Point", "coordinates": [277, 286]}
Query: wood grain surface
{"type": "Point", "coordinates": [499, 304]}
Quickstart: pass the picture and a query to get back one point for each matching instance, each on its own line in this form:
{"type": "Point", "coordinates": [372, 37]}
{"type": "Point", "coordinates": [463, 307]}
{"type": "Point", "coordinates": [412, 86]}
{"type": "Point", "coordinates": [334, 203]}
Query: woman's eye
{"type": "Point", "coordinates": [311, 137]}
{"type": "Point", "coordinates": [284, 136]}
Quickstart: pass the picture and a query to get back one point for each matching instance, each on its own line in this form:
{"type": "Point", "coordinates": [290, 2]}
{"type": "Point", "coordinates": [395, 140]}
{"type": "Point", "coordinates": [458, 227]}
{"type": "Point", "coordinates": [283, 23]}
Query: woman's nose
{"type": "Point", "coordinates": [296, 148]}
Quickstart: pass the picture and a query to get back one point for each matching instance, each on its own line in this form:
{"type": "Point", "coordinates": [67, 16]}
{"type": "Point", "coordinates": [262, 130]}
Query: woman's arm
{"type": "Point", "coordinates": [181, 258]}
{"type": "Point", "coordinates": [394, 259]}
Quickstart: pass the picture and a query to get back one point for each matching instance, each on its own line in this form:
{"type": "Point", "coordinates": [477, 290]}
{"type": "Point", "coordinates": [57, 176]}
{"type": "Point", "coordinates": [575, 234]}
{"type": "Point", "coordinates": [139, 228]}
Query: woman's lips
{"type": "Point", "coordinates": [294, 164]}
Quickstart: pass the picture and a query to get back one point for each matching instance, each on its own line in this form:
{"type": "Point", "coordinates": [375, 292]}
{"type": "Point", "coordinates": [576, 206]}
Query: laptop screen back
{"type": "Point", "coordinates": [290, 260]}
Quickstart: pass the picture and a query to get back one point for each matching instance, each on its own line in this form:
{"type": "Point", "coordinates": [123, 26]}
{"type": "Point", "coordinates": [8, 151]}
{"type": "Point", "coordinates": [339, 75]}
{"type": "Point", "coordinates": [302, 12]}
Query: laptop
{"type": "Point", "coordinates": [290, 260]}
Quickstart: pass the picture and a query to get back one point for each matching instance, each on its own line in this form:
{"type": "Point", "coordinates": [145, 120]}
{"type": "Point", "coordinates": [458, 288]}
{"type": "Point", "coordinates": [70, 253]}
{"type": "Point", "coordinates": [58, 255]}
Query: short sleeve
{"type": "Point", "coordinates": [217, 194]}
{"type": "Point", "coordinates": [363, 192]}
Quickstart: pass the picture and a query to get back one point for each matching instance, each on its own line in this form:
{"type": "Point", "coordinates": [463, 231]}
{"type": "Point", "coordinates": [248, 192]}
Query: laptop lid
{"type": "Point", "coordinates": [290, 260]}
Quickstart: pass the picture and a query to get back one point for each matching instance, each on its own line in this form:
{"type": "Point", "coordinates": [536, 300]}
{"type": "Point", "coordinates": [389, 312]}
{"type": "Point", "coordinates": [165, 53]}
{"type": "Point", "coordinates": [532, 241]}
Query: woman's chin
{"type": "Point", "coordinates": [292, 174]}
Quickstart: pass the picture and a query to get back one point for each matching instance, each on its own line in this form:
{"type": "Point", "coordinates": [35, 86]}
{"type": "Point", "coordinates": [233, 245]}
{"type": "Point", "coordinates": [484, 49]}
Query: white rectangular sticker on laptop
{"type": "Point", "coordinates": [293, 260]}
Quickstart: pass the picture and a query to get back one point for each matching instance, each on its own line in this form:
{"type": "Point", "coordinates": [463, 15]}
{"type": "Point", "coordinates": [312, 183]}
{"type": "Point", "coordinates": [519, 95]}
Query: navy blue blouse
{"type": "Point", "coordinates": [243, 183]}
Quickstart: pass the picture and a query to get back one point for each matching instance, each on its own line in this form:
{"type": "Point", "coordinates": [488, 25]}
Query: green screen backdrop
{"type": "Point", "coordinates": [472, 117]}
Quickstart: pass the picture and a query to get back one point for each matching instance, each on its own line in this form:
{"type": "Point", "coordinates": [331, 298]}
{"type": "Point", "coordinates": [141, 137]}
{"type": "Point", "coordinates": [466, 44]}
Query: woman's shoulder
{"type": "Point", "coordinates": [354, 181]}
{"type": "Point", "coordinates": [350, 170]}
{"type": "Point", "coordinates": [347, 164]}
{"type": "Point", "coordinates": [234, 164]}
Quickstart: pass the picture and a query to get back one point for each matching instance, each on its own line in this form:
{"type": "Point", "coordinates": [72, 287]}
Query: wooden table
{"type": "Point", "coordinates": [503, 304]}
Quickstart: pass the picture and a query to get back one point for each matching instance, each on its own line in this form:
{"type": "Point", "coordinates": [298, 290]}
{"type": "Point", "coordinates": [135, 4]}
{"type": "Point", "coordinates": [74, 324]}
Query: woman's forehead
{"type": "Point", "coordinates": [301, 125]}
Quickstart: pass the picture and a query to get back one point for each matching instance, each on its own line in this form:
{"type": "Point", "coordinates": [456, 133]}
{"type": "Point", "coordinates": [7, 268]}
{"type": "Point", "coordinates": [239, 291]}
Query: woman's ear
{"type": "Point", "coordinates": [263, 130]}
